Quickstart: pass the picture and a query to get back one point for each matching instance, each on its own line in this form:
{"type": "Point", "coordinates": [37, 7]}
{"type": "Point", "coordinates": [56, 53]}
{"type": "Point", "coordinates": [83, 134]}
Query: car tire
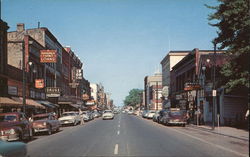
{"type": "Point", "coordinates": [30, 134]}
{"type": "Point", "coordinates": [50, 131]}
{"type": "Point", "coordinates": [21, 136]}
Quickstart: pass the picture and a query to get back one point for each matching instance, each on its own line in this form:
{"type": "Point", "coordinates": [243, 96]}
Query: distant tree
{"type": "Point", "coordinates": [133, 98]}
{"type": "Point", "coordinates": [232, 18]}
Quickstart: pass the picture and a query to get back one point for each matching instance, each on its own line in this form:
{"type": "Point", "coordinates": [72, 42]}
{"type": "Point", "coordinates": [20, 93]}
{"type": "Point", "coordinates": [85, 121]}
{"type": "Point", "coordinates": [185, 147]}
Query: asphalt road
{"type": "Point", "coordinates": [129, 135]}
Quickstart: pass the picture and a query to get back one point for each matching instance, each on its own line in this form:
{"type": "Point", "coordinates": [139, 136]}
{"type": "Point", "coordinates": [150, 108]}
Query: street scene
{"type": "Point", "coordinates": [124, 78]}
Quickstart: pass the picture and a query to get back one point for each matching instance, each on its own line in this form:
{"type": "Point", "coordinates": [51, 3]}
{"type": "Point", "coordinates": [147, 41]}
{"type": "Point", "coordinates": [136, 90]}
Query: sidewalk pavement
{"type": "Point", "coordinates": [225, 131]}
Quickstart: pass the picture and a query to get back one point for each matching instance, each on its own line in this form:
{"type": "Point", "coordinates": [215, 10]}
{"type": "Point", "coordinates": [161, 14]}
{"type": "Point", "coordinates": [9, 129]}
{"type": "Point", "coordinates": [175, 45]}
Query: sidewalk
{"type": "Point", "coordinates": [224, 130]}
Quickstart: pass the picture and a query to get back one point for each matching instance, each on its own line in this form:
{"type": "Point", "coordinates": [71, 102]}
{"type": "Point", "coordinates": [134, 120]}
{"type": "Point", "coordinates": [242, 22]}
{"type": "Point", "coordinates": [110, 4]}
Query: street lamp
{"type": "Point", "coordinates": [214, 90]}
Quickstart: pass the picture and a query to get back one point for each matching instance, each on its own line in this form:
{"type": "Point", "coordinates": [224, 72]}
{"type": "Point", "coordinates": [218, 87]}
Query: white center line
{"type": "Point", "coordinates": [118, 132]}
{"type": "Point", "coordinates": [116, 149]}
{"type": "Point", "coordinates": [119, 126]}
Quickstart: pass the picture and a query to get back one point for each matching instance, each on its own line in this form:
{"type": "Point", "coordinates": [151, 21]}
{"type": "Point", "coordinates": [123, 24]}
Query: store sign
{"type": "Point", "coordinates": [39, 83]}
{"type": "Point", "coordinates": [165, 91]}
{"type": "Point", "coordinates": [192, 86]}
{"type": "Point", "coordinates": [78, 74]}
{"type": "Point", "coordinates": [12, 90]}
{"type": "Point", "coordinates": [90, 103]}
{"type": "Point", "coordinates": [85, 97]}
{"type": "Point", "coordinates": [48, 56]}
{"type": "Point", "coordinates": [52, 92]}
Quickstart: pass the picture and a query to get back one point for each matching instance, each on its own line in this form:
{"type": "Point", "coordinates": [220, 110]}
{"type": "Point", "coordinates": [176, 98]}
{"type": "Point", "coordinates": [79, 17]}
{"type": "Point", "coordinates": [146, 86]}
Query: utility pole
{"type": "Point", "coordinates": [214, 90]}
{"type": "Point", "coordinates": [157, 95]}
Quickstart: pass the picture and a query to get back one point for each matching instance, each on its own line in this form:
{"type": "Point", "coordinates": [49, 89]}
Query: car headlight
{"type": "Point", "coordinates": [44, 123]}
{"type": "Point", "coordinates": [12, 131]}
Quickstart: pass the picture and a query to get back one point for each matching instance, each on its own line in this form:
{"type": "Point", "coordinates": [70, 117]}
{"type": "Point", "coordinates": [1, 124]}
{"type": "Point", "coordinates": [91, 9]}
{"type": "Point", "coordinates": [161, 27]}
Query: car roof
{"type": "Point", "coordinates": [11, 113]}
{"type": "Point", "coordinates": [41, 115]}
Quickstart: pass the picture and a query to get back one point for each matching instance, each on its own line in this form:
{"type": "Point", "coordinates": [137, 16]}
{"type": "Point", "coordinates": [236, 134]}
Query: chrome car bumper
{"type": "Point", "coordinates": [14, 137]}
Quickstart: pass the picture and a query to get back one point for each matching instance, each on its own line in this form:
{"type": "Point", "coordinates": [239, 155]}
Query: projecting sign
{"type": "Point", "coordinates": [52, 92]}
{"type": "Point", "coordinates": [39, 83]}
{"type": "Point", "coordinates": [165, 91]}
{"type": "Point", "coordinates": [78, 74]}
{"type": "Point", "coordinates": [48, 56]}
{"type": "Point", "coordinates": [85, 97]}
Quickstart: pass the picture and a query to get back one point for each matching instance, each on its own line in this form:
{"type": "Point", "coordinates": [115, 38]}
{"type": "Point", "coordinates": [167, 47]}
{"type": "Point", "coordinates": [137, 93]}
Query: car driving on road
{"type": "Point", "coordinates": [107, 114]}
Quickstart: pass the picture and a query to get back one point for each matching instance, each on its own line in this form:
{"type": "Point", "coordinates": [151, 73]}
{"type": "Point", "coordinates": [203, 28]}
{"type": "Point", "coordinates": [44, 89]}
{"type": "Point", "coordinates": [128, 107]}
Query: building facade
{"type": "Point", "coordinates": [153, 92]}
{"type": "Point", "coordinates": [3, 58]}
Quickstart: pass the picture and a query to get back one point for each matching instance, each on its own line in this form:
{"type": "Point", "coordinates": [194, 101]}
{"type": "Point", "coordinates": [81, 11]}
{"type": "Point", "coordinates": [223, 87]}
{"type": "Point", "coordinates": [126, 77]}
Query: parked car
{"type": "Point", "coordinates": [15, 126]}
{"type": "Point", "coordinates": [175, 117]}
{"type": "Point", "coordinates": [13, 149]}
{"type": "Point", "coordinates": [156, 116]}
{"type": "Point", "coordinates": [70, 118]}
{"type": "Point", "coordinates": [90, 114]}
{"type": "Point", "coordinates": [144, 113]}
{"type": "Point", "coordinates": [150, 114]}
{"type": "Point", "coordinates": [85, 116]}
{"type": "Point", "coordinates": [107, 114]}
{"type": "Point", "coordinates": [130, 112]}
{"type": "Point", "coordinates": [96, 114]}
{"type": "Point", "coordinates": [46, 122]}
{"type": "Point", "coordinates": [161, 116]}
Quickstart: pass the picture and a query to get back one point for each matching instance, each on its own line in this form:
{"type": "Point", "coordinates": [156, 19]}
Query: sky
{"type": "Point", "coordinates": [119, 41]}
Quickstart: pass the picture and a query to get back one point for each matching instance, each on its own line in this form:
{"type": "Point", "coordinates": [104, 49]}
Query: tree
{"type": "Point", "coordinates": [233, 22]}
{"type": "Point", "coordinates": [133, 98]}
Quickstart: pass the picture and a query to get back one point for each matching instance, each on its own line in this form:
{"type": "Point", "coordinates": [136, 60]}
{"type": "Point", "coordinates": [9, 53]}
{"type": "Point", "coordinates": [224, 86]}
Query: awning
{"type": "Point", "coordinates": [75, 105]}
{"type": "Point", "coordinates": [47, 104]}
{"type": "Point", "coordinates": [9, 102]}
{"type": "Point", "coordinates": [29, 102]}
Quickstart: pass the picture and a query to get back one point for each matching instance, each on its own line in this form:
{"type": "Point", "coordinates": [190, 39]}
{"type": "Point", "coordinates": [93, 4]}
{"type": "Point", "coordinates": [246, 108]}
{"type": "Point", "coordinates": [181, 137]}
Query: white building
{"type": "Point", "coordinates": [94, 91]}
{"type": "Point", "coordinates": [170, 60]}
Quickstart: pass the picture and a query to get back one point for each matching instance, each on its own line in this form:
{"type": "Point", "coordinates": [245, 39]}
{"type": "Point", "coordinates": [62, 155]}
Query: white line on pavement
{"type": "Point", "coordinates": [119, 126]}
{"type": "Point", "coordinates": [218, 146]}
{"type": "Point", "coordinates": [116, 149]}
{"type": "Point", "coordinates": [118, 132]}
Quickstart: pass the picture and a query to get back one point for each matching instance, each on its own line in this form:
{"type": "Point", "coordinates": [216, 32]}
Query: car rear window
{"type": "Point", "coordinates": [8, 118]}
{"type": "Point", "coordinates": [175, 113]}
{"type": "Point", "coordinates": [41, 118]}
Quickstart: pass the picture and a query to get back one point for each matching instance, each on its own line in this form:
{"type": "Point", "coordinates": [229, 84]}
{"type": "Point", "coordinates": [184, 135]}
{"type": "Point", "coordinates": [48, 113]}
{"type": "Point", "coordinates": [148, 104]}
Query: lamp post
{"type": "Point", "coordinates": [214, 90]}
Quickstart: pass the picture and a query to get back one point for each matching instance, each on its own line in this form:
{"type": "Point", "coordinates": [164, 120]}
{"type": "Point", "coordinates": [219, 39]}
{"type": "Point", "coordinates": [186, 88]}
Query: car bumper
{"type": "Point", "coordinates": [14, 137]}
{"type": "Point", "coordinates": [107, 117]}
{"type": "Point", "coordinates": [40, 130]}
{"type": "Point", "coordinates": [177, 123]}
{"type": "Point", "coordinates": [66, 122]}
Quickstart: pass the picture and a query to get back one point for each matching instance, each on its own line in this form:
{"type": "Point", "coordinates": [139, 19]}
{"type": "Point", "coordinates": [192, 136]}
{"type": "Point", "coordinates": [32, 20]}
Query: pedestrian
{"type": "Point", "coordinates": [81, 116]}
{"type": "Point", "coordinates": [188, 117]}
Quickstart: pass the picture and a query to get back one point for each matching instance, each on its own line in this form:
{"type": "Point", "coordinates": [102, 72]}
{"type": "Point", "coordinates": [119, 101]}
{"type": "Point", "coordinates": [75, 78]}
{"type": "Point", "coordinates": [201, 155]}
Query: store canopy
{"type": "Point", "coordinates": [29, 102]}
{"type": "Point", "coordinates": [10, 102]}
{"type": "Point", "coordinates": [47, 104]}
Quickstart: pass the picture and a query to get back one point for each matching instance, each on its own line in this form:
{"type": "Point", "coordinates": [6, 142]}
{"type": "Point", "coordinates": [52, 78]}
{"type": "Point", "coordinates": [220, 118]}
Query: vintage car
{"type": "Point", "coordinates": [15, 126]}
{"type": "Point", "coordinates": [13, 149]}
{"type": "Point", "coordinates": [70, 117]}
{"type": "Point", "coordinates": [108, 114]}
{"type": "Point", "coordinates": [175, 116]}
{"type": "Point", "coordinates": [46, 122]}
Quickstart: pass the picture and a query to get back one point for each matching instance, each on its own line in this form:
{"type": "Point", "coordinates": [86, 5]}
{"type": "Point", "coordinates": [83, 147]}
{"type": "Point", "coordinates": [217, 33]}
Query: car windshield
{"type": "Point", "coordinates": [41, 118]}
{"type": "Point", "coordinates": [175, 113]}
{"type": "Point", "coordinates": [69, 114]}
{"type": "Point", "coordinates": [107, 111]}
{"type": "Point", "coordinates": [8, 118]}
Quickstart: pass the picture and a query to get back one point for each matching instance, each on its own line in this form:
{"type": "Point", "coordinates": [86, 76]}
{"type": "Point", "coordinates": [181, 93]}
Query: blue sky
{"type": "Point", "coordinates": [119, 41]}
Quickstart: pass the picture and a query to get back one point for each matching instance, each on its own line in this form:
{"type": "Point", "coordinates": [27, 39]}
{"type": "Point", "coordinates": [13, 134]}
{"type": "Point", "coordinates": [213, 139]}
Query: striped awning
{"type": "Point", "coordinates": [29, 102]}
{"type": "Point", "coordinates": [4, 101]}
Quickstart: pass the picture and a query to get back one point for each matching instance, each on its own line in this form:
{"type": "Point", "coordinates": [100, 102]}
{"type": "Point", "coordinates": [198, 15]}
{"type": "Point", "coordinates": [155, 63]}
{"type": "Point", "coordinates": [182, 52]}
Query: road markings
{"type": "Point", "coordinates": [119, 126]}
{"type": "Point", "coordinates": [118, 132]}
{"type": "Point", "coordinates": [116, 149]}
{"type": "Point", "coordinates": [215, 145]}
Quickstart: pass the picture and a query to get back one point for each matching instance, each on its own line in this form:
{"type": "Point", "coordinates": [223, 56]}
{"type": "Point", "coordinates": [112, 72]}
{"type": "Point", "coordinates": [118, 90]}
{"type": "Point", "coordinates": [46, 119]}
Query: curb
{"type": "Point", "coordinates": [215, 132]}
